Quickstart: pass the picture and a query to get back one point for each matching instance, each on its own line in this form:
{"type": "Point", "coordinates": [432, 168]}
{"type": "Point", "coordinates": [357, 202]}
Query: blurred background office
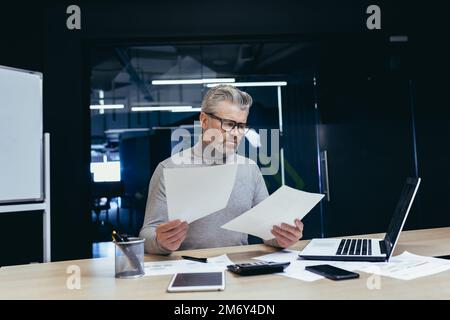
{"type": "Point", "coordinates": [359, 110]}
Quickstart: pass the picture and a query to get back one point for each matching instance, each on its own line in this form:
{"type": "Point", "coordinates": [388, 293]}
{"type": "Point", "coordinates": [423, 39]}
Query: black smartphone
{"type": "Point", "coordinates": [443, 257]}
{"type": "Point", "coordinates": [332, 272]}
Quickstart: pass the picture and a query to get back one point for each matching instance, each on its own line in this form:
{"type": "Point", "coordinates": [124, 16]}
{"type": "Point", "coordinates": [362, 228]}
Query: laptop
{"type": "Point", "coordinates": [373, 250]}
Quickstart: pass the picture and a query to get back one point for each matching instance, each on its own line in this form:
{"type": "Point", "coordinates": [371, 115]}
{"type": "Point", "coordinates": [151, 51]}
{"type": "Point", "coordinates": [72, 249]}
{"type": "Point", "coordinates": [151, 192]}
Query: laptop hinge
{"type": "Point", "coordinates": [383, 248]}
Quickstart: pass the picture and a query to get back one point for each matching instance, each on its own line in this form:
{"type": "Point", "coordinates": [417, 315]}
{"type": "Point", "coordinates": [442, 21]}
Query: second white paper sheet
{"type": "Point", "coordinates": [159, 268]}
{"type": "Point", "coordinates": [283, 206]}
{"type": "Point", "coordinates": [193, 193]}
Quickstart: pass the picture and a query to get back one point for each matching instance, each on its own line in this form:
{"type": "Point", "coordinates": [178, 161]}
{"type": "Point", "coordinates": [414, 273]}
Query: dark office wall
{"type": "Point", "coordinates": [62, 56]}
{"type": "Point", "coordinates": [21, 46]}
{"type": "Point", "coordinates": [430, 96]}
{"type": "Point", "coordinates": [433, 144]}
{"type": "Point", "coordinates": [22, 35]}
{"type": "Point", "coordinates": [145, 22]}
{"type": "Point", "coordinates": [24, 239]}
{"type": "Point", "coordinates": [300, 149]}
{"type": "Point", "coordinates": [367, 133]}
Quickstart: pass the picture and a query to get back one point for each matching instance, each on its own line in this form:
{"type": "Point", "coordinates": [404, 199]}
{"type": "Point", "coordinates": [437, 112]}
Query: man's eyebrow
{"type": "Point", "coordinates": [234, 121]}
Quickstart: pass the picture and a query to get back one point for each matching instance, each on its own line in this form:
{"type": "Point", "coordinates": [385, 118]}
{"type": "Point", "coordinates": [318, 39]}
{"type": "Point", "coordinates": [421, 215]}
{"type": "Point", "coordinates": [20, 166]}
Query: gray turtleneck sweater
{"type": "Point", "coordinates": [249, 189]}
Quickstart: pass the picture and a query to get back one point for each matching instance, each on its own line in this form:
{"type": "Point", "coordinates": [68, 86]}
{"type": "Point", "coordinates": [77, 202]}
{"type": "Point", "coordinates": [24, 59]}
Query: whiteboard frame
{"type": "Point", "coordinates": [42, 197]}
{"type": "Point", "coordinates": [44, 206]}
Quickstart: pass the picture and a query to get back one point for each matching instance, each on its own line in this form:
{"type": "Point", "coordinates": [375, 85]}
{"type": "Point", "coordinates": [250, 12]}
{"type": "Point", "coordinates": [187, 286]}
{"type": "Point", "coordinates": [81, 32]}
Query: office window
{"type": "Point", "coordinates": [106, 171]}
{"type": "Point", "coordinates": [141, 94]}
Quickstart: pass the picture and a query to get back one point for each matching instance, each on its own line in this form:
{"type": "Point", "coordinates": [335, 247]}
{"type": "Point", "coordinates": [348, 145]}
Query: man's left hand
{"type": "Point", "coordinates": [287, 234]}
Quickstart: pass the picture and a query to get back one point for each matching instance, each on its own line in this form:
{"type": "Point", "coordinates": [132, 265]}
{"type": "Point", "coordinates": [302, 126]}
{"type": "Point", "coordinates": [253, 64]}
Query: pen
{"type": "Point", "coordinates": [204, 260]}
{"type": "Point", "coordinates": [118, 238]}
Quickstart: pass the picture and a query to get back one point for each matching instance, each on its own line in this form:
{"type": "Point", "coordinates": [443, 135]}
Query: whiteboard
{"type": "Point", "coordinates": [21, 136]}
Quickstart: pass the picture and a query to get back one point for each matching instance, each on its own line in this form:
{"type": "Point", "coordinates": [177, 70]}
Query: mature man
{"type": "Point", "coordinates": [224, 111]}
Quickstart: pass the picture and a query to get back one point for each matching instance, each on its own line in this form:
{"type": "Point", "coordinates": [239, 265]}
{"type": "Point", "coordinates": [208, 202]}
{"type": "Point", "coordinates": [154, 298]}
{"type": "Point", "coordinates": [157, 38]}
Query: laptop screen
{"type": "Point", "coordinates": [400, 214]}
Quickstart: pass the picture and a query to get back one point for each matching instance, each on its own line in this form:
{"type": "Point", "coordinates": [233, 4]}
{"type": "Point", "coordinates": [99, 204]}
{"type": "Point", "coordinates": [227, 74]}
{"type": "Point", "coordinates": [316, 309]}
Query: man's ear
{"type": "Point", "coordinates": [203, 120]}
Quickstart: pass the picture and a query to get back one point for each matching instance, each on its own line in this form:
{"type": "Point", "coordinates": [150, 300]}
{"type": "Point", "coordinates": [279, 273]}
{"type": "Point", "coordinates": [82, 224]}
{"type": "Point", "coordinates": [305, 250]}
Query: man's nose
{"type": "Point", "coordinates": [234, 132]}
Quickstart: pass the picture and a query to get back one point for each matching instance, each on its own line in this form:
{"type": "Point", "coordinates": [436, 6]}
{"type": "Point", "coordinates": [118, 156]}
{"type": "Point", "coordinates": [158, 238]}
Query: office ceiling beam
{"type": "Point", "coordinates": [134, 75]}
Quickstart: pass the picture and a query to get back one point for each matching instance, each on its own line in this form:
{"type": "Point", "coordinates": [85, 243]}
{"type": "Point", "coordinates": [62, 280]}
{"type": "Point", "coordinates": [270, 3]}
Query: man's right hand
{"type": "Point", "coordinates": [171, 234]}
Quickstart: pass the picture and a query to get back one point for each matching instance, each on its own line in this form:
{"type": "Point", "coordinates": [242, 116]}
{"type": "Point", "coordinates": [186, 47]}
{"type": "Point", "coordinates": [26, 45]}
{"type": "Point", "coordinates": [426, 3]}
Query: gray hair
{"type": "Point", "coordinates": [225, 93]}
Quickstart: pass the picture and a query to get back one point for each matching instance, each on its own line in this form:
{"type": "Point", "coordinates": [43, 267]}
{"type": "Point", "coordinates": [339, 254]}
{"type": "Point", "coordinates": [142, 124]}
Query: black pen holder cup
{"type": "Point", "coordinates": [129, 258]}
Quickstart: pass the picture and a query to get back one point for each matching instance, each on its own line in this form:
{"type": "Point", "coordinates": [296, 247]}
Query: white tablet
{"type": "Point", "coordinates": [200, 281]}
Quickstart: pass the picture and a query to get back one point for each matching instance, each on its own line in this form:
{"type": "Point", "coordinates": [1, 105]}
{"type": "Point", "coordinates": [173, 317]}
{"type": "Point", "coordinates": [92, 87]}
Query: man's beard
{"type": "Point", "coordinates": [230, 146]}
{"type": "Point", "coordinates": [220, 149]}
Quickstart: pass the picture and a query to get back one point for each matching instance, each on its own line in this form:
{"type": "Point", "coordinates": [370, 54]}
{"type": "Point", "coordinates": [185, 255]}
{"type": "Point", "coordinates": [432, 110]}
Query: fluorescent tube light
{"type": "Point", "coordinates": [193, 81]}
{"type": "Point", "coordinates": [106, 106]}
{"type": "Point", "coordinates": [252, 84]}
{"type": "Point", "coordinates": [398, 38]}
{"type": "Point", "coordinates": [116, 131]}
{"type": "Point", "coordinates": [160, 108]}
{"type": "Point", "coordinates": [187, 110]}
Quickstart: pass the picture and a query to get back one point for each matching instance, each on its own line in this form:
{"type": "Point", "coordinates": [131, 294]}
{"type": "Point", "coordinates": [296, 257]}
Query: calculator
{"type": "Point", "coordinates": [260, 267]}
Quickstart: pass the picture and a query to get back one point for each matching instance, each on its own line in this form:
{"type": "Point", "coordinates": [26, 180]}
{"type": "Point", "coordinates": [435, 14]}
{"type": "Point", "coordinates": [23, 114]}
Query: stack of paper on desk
{"type": "Point", "coordinates": [284, 205]}
{"type": "Point", "coordinates": [159, 268]}
{"type": "Point", "coordinates": [293, 270]}
{"type": "Point", "coordinates": [408, 266]}
{"type": "Point", "coordinates": [296, 269]}
{"type": "Point", "coordinates": [193, 193]}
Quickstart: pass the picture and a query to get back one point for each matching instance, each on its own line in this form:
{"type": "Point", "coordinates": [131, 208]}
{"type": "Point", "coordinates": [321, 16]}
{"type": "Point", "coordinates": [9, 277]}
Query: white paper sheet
{"type": "Point", "coordinates": [296, 269]}
{"type": "Point", "coordinates": [158, 268]}
{"type": "Point", "coordinates": [408, 266]}
{"type": "Point", "coordinates": [284, 205]}
{"type": "Point", "coordinates": [284, 255]}
{"type": "Point", "coordinates": [220, 261]}
{"type": "Point", "coordinates": [193, 193]}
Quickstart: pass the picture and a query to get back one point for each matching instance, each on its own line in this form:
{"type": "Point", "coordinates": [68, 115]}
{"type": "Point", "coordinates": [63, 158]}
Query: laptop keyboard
{"type": "Point", "coordinates": [355, 247]}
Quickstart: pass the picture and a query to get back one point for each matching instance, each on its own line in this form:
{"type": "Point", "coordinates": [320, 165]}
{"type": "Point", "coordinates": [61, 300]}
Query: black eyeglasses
{"type": "Point", "coordinates": [229, 125]}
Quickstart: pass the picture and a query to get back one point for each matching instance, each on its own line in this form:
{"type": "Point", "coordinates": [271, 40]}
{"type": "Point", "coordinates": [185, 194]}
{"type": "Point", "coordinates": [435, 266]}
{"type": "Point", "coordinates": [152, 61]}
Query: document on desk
{"type": "Point", "coordinates": [296, 269]}
{"type": "Point", "coordinates": [284, 205]}
{"type": "Point", "coordinates": [193, 193]}
{"type": "Point", "coordinates": [293, 270]}
{"type": "Point", "coordinates": [159, 268]}
{"type": "Point", "coordinates": [408, 266]}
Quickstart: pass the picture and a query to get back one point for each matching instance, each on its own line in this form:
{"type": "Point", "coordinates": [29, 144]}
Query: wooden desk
{"type": "Point", "coordinates": [48, 280]}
